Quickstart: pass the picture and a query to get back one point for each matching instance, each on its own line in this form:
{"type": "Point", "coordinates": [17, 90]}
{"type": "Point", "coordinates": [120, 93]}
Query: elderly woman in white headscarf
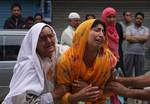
{"type": "Point", "coordinates": [32, 81]}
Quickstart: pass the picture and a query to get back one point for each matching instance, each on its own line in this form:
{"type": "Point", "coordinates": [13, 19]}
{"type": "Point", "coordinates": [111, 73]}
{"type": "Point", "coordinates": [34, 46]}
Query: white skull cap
{"type": "Point", "coordinates": [73, 15]}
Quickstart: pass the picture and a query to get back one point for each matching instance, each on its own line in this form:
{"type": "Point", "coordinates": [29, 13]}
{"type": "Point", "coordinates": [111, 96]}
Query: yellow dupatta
{"type": "Point", "coordinates": [71, 65]}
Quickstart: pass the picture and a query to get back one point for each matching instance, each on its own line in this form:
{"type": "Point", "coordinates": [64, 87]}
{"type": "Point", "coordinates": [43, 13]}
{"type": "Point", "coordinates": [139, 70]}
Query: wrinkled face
{"type": "Point", "coordinates": [111, 19]}
{"type": "Point", "coordinates": [96, 36]}
{"type": "Point", "coordinates": [139, 20]}
{"type": "Point", "coordinates": [128, 17]}
{"type": "Point", "coordinates": [16, 11]}
{"type": "Point", "coordinates": [74, 22]}
{"type": "Point", "coordinates": [38, 19]}
{"type": "Point", "coordinates": [46, 43]}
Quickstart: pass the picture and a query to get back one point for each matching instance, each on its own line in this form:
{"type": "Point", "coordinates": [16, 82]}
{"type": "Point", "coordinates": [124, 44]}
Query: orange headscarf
{"type": "Point", "coordinates": [71, 65]}
{"type": "Point", "coordinates": [111, 32]}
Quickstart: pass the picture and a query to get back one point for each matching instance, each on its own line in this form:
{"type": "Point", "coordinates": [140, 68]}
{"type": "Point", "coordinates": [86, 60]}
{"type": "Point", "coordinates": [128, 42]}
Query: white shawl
{"type": "Point", "coordinates": [27, 74]}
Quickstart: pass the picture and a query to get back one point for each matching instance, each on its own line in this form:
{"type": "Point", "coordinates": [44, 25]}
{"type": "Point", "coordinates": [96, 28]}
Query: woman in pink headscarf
{"type": "Point", "coordinates": [109, 18]}
{"type": "Point", "coordinates": [114, 34]}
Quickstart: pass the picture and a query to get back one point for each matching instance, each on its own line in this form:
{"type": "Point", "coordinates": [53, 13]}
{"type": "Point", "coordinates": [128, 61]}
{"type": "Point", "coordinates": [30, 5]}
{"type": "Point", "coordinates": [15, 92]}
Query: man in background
{"type": "Point", "coordinates": [15, 21]}
{"type": "Point", "coordinates": [67, 35]}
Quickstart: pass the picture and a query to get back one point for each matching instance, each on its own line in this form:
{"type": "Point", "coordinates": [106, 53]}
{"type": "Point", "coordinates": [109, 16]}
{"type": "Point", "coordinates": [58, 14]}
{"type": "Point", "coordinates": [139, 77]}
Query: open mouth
{"type": "Point", "coordinates": [51, 48]}
{"type": "Point", "coordinates": [98, 41]}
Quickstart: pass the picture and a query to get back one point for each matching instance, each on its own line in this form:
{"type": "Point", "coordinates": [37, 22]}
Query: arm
{"type": "Point", "coordinates": [88, 93]}
{"type": "Point", "coordinates": [130, 38]}
{"type": "Point", "coordinates": [144, 37]}
{"type": "Point", "coordinates": [137, 38]}
{"type": "Point", "coordinates": [6, 25]}
{"type": "Point", "coordinates": [140, 81]}
{"type": "Point", "coordinates": [132, 93]}
{"type": "Point", "coordinates": [128, 35]}
{"type": "Point", "coordinates": [142, 94]}
{"type": "Point", "coordinates": [64, 76]}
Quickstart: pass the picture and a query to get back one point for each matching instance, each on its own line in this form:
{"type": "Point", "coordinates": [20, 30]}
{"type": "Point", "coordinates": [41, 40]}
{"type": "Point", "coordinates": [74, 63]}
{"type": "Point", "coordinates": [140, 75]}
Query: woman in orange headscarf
{"type": "Point", "coordinates": [88, 59]}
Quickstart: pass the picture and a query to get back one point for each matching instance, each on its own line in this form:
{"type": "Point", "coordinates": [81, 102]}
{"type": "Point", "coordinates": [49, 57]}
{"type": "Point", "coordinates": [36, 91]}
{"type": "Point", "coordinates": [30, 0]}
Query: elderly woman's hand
{"type": "Point", "coordinates": [58, 92]}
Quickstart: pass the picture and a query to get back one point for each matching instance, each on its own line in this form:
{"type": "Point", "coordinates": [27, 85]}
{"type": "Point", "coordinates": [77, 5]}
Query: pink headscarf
{"type": "Point", "coordinates": [111, 32]}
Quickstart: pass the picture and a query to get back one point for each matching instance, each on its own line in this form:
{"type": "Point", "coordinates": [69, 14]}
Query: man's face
{"type": "Point", "coordinates": [139, 20]}
{"type": "Point", "coordinates": [128, 17]}
{"type": "Point", "coordinates": [74, 22]}
{"type": "Point", "coordinates": [16, 12]}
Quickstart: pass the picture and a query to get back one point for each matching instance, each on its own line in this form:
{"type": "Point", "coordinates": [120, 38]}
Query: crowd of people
{"type": "Point", "coordinates": [16, 21]}
{"type": "Point", "coordinates": [98, 61]}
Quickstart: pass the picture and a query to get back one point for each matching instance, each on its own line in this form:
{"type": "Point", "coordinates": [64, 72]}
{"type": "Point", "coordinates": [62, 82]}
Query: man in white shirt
{"type": "Point", "coordinates": [67, 35]}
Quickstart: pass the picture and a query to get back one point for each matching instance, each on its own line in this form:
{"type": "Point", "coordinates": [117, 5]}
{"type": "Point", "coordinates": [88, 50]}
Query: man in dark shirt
{"type": "Point", "coordinates": [15, 21]}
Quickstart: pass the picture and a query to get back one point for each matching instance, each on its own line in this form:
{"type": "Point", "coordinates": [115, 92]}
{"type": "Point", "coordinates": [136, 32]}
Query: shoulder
{"type": "Point", "coordinates": [131, 27]}
{"type": "Point", "coordinates": [60, 49]}
{"type": "Point", "coordinates": [65, 31]}
{"type": "Point", "coordinates": [119, 28]}
{"type": "Point", "coordinates": [146, 28]}
{"type": "Point", "coordinates": [26, 61]}
{"type": "Point", "coordinates": [118, 24]}
{"type": "Point", "coordinates": [70, 54]}
{"type": "Point", "coordinates": [22, 18]}
{"type": "Point", "coordinates": [8, 19]}
{"type": "Point", "coordinates": [109, 58]}
{"type": "Point", "coordinates": [24, 65]}
{"type": "Point", "coordinates": [121, 23]}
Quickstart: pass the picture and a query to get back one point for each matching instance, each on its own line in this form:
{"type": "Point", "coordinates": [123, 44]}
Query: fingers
{"type": "Point", "coordinates": [77, 83]}
{"type": "Point", "coordinates": [110, 86]}
{"type": "Point", "coordinates": [93, 93]}
{"type": "Point", "coordinates": [74, 84]}
{"type": "Point", "coordinates": [94, 97]}
{"type": "Point", "coordinates": [90, 88]}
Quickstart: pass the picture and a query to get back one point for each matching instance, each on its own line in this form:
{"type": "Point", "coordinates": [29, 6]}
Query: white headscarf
{"type": "Point", "coordinates": [28, 74]}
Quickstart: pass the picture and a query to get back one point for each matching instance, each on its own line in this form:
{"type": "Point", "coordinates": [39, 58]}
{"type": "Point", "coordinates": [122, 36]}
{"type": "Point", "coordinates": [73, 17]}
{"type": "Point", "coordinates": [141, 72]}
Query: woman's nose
{"type": "Point", "coordinates": [101, 34]}
{"type": "Point", "coordinates": [49, 40]}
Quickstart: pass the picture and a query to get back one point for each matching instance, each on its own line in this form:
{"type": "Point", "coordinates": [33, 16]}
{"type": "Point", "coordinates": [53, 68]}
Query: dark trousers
{"type": "Point", "coordinates": [134, 62]}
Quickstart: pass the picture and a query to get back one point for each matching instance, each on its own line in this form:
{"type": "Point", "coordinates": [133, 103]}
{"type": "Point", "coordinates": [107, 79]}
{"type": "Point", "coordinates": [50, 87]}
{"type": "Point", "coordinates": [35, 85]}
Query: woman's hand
{"type": "Point", "coordinates": [78, 85]}
{"type": "Point", "coordinates": [58, 92]}
{"type": "Point", "coordinates": [88, 93]}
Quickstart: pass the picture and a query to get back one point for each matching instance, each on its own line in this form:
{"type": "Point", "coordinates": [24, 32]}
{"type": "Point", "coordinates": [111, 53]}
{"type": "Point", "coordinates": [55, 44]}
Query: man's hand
{"type": "Point", "coordinates": [117, 88]}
